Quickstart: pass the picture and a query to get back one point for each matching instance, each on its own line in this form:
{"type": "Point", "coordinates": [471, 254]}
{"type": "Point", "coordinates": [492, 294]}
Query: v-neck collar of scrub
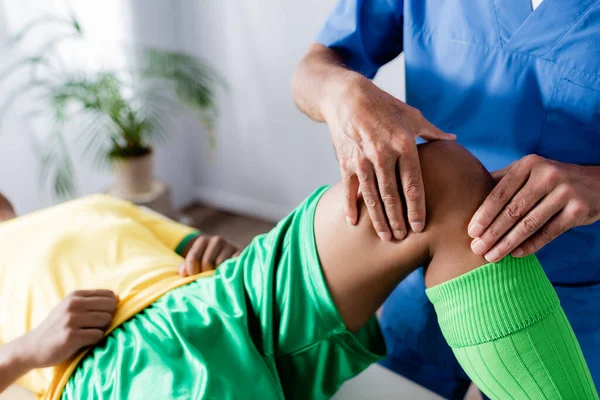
{"type": "Point", "coordinates": [536, 32]}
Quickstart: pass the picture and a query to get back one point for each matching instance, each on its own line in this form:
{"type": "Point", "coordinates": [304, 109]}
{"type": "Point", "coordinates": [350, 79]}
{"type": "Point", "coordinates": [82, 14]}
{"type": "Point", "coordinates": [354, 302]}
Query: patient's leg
{"type": "Point", "coordinates": [361, 270]}
{"type": "Point", "coordinates": [502, 320]}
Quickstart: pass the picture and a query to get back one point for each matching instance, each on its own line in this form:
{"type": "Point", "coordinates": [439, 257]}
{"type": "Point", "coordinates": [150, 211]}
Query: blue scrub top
{"type": "Point", "coordinates": [509, 82]}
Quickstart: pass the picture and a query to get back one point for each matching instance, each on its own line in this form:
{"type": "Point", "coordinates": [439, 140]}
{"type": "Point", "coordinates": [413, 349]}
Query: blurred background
{"type": "Point", "coordinates": [183, 106]}
{"type": "Point", "coordinates": [265, 157]}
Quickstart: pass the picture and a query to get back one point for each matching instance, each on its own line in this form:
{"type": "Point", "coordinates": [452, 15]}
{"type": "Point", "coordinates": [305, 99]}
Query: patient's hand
{"type": "Point", "coordinates": [80, 320]}
{"type": "Point", "coordinates": [206, 253]}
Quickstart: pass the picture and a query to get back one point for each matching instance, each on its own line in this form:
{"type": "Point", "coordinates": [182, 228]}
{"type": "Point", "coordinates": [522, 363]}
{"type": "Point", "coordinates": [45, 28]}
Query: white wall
{"type": "Point", "coordinates": [268, 156]}
{"type": "Point", "coordinates": [108, 25]}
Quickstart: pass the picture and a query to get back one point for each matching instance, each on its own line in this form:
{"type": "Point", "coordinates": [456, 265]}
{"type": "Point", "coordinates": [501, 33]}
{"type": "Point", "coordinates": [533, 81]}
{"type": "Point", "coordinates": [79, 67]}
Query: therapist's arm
{"type": "Point", "coordinates": [78, 321]}
{"type": "Point", "coordinates": [373, 134]}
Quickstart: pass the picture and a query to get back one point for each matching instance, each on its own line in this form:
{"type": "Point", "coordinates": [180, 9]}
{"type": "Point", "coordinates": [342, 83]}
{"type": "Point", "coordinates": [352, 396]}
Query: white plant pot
{"type": "Point", "coordinates": [134, 175]}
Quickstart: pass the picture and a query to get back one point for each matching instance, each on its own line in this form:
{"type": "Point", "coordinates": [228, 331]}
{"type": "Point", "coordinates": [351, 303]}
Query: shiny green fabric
{"type": "Point", "coordinates": [264, 326]}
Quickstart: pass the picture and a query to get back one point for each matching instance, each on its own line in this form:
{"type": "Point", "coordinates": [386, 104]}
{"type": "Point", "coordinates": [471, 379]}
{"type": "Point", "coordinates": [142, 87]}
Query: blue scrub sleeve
{"type": "Point", "coordinates": [366, 33]}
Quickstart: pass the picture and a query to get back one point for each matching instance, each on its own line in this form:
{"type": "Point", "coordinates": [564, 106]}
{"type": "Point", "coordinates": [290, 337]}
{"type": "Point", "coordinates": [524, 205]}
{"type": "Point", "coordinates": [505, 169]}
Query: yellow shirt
{"type": "Point", "coordinates": [97, 242]}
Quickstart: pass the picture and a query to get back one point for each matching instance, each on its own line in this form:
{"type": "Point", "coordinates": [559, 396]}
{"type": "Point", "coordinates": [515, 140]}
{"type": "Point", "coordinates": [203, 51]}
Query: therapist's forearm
{"type": "Point", "coordinates": [14, 363]}
{"type": "Point", "coordinates": [321, 76]}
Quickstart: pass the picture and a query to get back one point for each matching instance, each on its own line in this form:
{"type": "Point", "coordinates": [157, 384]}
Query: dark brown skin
{"type": "Point", "coordinates": [361, 270]}
{"type": "Point", "coordinates": [206, 253]}
{"type": "Point", "coordinates": [7, 210]}
{"type": "Point", "coordinates": [78, 321]}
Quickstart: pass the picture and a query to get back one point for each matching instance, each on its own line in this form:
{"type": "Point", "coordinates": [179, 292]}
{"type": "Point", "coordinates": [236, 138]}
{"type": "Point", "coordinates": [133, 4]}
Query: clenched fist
{"type": "Point", "coordinates": [78, 321]}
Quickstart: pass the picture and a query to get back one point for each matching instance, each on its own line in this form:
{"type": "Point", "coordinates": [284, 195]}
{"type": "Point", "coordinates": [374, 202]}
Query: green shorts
{"type": "Point", "coordinates": [264, 326]}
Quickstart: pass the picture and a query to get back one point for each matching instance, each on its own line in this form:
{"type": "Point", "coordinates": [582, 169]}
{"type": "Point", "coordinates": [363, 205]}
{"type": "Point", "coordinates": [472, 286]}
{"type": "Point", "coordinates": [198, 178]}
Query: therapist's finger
{"type": "Point", "coordinates": [508, 186]}
{"type": "Point", "coordinates": [527, 227]}
{"type": "Point", "coordinates": [430, 132]}
{"type": "Point", "coordinates": [412, 187]}
{"type": "Point", "coordinates": [370, 194]}
{"type": "Point", "coordinates": [390, 196]}
{"type": "Point", "coordinates": [550, 231]}
{"type": "Point", "coordinates": [510, 216]}
{"type": "Point", "coordinates": [499, 174]}
{"type": "Point", "coordinates": [350, 181]}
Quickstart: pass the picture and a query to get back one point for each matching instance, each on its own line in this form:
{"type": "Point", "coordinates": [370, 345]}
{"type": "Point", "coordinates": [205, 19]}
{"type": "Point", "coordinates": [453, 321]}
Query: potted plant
{"type": "Point", "coordinates": [116, 115]}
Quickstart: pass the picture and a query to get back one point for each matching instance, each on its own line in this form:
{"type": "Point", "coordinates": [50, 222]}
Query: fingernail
{"type": "Point", "coordinates": [181, 269]}
{"type": "Point", "coordinates": [417, 227]}
{"type": "Point", "coordinates": [492, 256]}
{"type": "Point", "coordinates": [399, 235]}
{"type": "Point", "coordinates": [385, 236]}
{"type": "Point", "coordinates": [475, 230]}
{"type": "Point", "coordinates": [349, 221]}
{"type": "Point", "coordinates": [478, 246]}
{"type": "Point", "coordinates": [517, 253]}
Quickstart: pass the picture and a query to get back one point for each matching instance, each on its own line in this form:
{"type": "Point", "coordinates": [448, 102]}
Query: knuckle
{"type": "Point", "coordinates": [547, 236]}
{"type": "Point", "coordinates": [105, 319]}
{"type": "Point", "coordinates": [493, 233]}
{"type": "Point", "coordinates": [389, 200]}
{"type": "Point", "coordinates": [344, 165]}
{"type": "Point", "coordinates": [72, 304]}
{"type": "Point", "coordinates": [500, 195]}
{"type": "Point", "coordinates": [553, 174]}
{"type": "Point", "coordinates": [71, 320]}
{"type": "Point", "coordinates": [67, 336]}
{"type": "Point", "coordinates": [564, 193]}
{"type": "Point", "coordinates": [370, 201]}
{"type": "Point", "coordinates": [530, 224]}
{"type": "Point", "coordinates": [530, 160]}
{"type": "Point", "coordinates": [514, 211]}
{"type": "Point", "coordinates": [507, 244]}
{"type": "Point", "coordinates": [404, 145]}
{"type": "Point", "coordinates": [416, 216]}
{"type": "Point", "coordinates": [396, 225]}
{"type": "Point", "coordinates": [416, 113]}
{"type": "Point", "coordinates": [412, 192]}
{"type": "Point", "coordinates": [579, 210]}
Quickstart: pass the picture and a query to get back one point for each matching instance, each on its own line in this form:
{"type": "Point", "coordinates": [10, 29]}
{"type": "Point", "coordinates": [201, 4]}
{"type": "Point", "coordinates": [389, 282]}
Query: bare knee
{"type": "Point", "coordinates": [456, 183]}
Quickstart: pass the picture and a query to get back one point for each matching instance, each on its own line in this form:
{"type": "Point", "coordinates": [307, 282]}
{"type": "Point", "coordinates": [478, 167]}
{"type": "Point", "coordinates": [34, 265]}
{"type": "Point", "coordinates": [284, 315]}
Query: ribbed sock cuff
{"type": "Point", "coordinates": [493, 301]}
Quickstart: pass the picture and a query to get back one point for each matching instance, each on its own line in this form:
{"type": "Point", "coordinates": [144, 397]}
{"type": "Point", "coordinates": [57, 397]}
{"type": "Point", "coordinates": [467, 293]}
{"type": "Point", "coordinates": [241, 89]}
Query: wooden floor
{"type": "Point", "coordinates": [236, 228]}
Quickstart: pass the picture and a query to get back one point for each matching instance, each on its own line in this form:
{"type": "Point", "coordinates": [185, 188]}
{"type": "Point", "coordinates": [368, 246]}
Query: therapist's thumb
{"type": "Point", "coordinates": [432, 133]}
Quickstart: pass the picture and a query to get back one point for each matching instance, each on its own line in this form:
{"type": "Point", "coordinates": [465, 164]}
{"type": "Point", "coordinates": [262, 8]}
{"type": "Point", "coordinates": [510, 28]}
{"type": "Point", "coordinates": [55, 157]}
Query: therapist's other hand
{"type": "Point", "coordinates": [374, 136]}
{"type": "Point", "coordinates": [534, 201]}
{"type": "Point", "coordinates": [207, 253]}
{"type": "Point", "coordinates": [80, 320]}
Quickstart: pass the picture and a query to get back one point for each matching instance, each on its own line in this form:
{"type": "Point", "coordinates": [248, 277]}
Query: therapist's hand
{"type": "Point", "coordinates": [374, 137]}
{"type": "Point", "coordinates": [535, 201]}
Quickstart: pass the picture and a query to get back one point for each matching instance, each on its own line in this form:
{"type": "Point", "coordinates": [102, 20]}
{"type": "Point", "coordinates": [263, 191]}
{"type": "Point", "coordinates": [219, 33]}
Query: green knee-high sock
{"type": "Point", "coordinates": [508, 331]}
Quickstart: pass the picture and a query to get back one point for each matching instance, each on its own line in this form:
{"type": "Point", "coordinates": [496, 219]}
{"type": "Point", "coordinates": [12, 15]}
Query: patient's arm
{"type": "Point", "coordinates": [361, 270]}
{"type": "Point", "coordinates": [78, 321]}
{"type": "Point", "coordinates": [6, 209]}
